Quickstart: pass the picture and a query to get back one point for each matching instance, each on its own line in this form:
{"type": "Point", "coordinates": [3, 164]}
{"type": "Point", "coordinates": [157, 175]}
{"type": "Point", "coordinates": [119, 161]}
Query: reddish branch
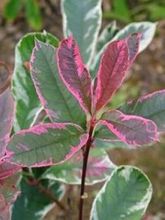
{"type": "Point", "coordinates": [84, 169]}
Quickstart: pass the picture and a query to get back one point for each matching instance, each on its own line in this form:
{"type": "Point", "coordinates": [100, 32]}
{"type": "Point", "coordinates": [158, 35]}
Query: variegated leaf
{"type": "Point", "coordinates": [125, 196]}
{"type": "Point", "coordinates": [57, 101]}
{"type": "Point", "coordinates": [8, 195]}
{"type": "Point", "coordinates": [73, 72]}
{"type": "Point", "coordinates": [151, 106]}
{"type": "Point", "coordinates": [6, 118]}
{"type": "Point", "coordinates": [99, 168]}
{"type": "Point", "coordinates": [27, 102]}
{"type": "Point", "coordinates": [46, 144]}
{"type": "Point", "coordinates": [111, 73]}
{"type": "Point", "coordinates": [82, 19]}
{"type": "Point", "coordinates": [131, 129]}
{"type": "Point", "coordinates": [7, 169]}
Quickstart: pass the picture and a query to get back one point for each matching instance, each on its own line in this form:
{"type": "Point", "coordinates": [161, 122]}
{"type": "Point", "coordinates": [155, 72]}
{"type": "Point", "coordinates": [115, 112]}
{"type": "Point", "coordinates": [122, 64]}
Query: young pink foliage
{"type": "Point", "coordinates": [115, 61]}
{"type": "Point", "coordinates": [130, 129]}
{"type": "Point", "coordinates": [73, 72]}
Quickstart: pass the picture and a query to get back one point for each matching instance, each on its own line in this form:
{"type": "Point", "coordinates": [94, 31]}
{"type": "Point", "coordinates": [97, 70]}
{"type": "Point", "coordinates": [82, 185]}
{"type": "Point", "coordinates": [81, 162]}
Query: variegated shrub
{"type": "Point", "coordinates": [63, 120]}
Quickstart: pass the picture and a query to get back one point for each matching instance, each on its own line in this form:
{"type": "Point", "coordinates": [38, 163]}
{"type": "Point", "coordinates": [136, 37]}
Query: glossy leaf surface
{"type": "Point", "coordinates": [6, 119]}
{"type": "Point", "coordinates": [82, 19]}
{"type": "Point", "coordinates": [130, 129]}
{"type": "Point", "coordinates": [125, 196]}
{"type": "Point", "coordinates": [32, 202]}
{"type": "Point", "coordinates": [111, 73]}
{"type": "Point", "coordinates": [57, 101]}
{"type": "Point", "coordinates": [99, 168]}
{"type": "Point", "coordinates": [74, 73]}
{"type": "Point", "coordinates": [46, 144]}
{"type": "Point", "coordinates": [27, 103]}
{"type": "Point", "coordinates": [151, 106]}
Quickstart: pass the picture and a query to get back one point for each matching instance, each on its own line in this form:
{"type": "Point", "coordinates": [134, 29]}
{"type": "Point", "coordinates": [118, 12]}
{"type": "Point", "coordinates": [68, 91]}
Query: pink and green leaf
{"type": "Point", "coordinates": [74, 73]}
{"type": "Point", "coordinates": [8, 195]}
{"type": "Point", "coordinates": [99, 168]}
{"type": "Point", "coordinates": [27, 102]}
{"type": "Point", "coordinates": [82, 19]}
{"type": "Point", "coordinates": [7, 169]}
{"type": "Point", "coordinates": [58, 102]}
{"type": "Point", "coordinates": [130, 129]}
{"type": "Point", "coordinates": [116, 60]}
{"type": "Point", "coordinates": [6, 119]}
{"type": "Point", "coordinates": [151, 106]}
{"type": "Point", "coordinates": [46, 144]}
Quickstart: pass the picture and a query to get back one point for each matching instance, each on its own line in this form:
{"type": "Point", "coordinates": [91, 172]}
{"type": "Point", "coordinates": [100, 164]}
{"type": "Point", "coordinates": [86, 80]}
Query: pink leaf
{"type": "Point", "coordinates": [6, 118]}
{"type": "Point", "coordinates": [115, 61]}
{"type": "Point", "coordinates": [130, 129]}
{"type": "Point", "coordinates": [8, 195]}
{"type": "Point", "coordinates": [73, 72]}
{"type": "Point", "coordinates": [7, 169]}
{"type": "Point", "coordinates": [4, 209]}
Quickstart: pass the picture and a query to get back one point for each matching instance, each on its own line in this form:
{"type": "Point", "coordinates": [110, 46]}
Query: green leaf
{"type": "Point", "coordinates": [33, 14]}
{"type": "Point", "coordinates": [99, 168]}
{"type": "Point", "coordinates": [27, 103]}
{"type": "Point", "coordinates": [82, 19]}
{"type": "Point", "coordinates": [33, 203]}
{"type": "Point", "coordinates": [12, 8]}
{"type": "Point", "coordinates": [125, 196]}
{"type": "Point", "coordinates": [57, 101]}
{"type": "Point", "coordinates": [156, 11]}
{"type": "Point", "coordinates": [46, 144]}
{"type": "Point", "coordinates": [119, 11]}
{"type": "Point", "coordinates": [151, 106]}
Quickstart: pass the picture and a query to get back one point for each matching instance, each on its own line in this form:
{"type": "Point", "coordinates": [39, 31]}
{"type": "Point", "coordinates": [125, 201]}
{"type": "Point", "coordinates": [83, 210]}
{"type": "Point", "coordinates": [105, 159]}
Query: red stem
{"type": "Point", "coordinates": [84, 169]}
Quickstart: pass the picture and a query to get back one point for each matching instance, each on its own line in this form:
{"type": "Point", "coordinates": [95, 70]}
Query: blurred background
{"type": "Point", "coordinates": [18, 17]}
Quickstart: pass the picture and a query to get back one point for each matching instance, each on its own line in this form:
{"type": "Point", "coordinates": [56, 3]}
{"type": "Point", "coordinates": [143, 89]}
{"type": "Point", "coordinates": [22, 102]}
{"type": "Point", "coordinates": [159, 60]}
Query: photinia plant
{"type": "Point", "coordinates": [57, 130]}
